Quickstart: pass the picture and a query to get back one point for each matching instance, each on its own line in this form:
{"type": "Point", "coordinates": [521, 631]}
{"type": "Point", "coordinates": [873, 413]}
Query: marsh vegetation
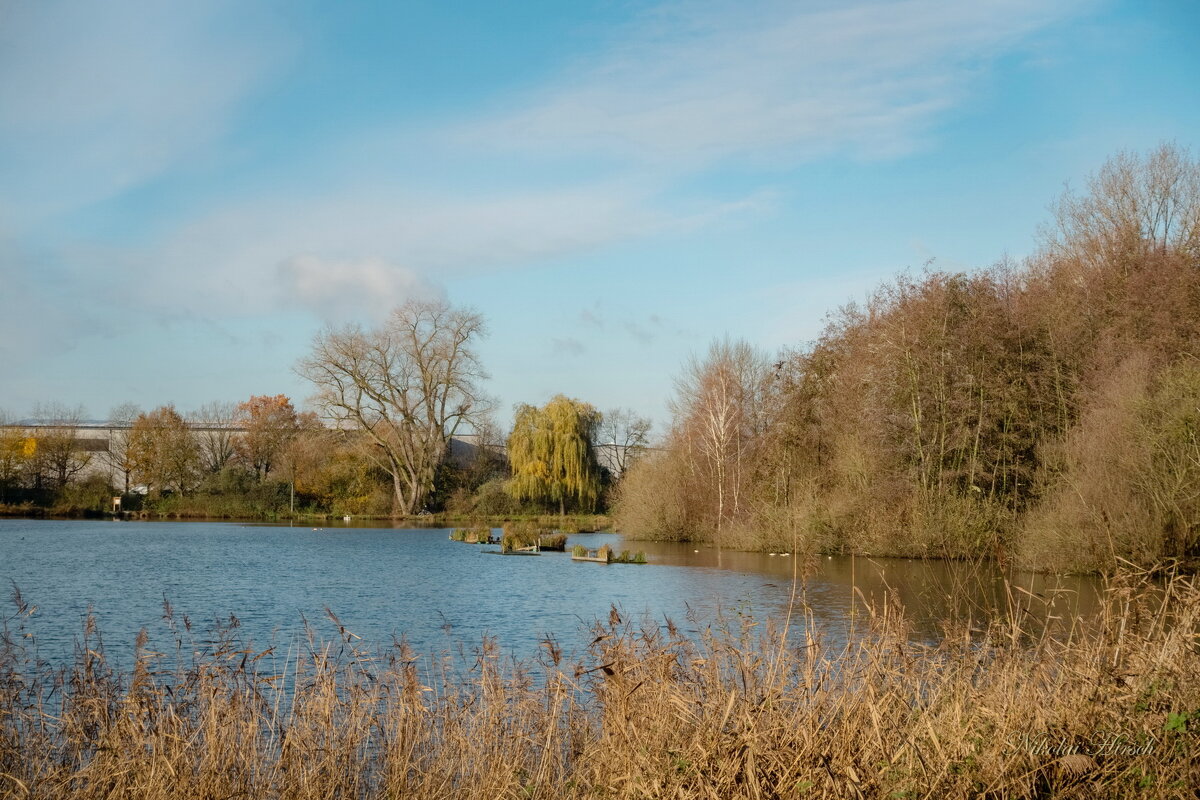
{"type": "Point", "coordinates": [1000, 707]}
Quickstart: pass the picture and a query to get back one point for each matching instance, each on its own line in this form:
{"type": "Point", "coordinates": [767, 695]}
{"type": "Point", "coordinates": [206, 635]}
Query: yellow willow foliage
{"type": "Point", "coordinates": [550, 450]}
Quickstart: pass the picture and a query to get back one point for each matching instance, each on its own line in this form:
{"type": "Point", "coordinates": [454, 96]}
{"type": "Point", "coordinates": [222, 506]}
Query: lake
{"type": "Point", "coordinates": [385, 582]}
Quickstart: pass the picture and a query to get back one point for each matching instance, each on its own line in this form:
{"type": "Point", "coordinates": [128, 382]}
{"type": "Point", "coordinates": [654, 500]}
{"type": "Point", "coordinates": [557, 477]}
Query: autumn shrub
{"type": "Point", "coordinates": [493, 499]}
{"type": "Point", "coordinates": [92, 495]}
{"type": "Point", "coordinates": [653, 502]}
{"type": "Point", "coordinates": [1124, 484]}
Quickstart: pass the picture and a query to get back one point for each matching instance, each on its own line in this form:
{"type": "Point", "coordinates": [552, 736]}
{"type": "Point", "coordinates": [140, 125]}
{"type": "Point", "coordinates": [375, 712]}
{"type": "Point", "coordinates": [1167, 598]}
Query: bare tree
{"type": "Point", "coordinates": [623, 437]}
{"type": "Point", "coordinates": [1134, 205]}
{"type": "Point", "coordinates": [120, 424]}
{"type": "Point", "coordinates": [408, 384]}
{"type": "Point", "coordinates": [719, 407]}
{"type": "Point", "coordinates": [58, 456]}
{"type": "Point", "coordinates": [214, 426]}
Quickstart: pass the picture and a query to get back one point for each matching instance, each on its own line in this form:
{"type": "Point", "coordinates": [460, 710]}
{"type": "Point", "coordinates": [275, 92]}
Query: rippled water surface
{"type": "Point", "coordinates": [384, 582]}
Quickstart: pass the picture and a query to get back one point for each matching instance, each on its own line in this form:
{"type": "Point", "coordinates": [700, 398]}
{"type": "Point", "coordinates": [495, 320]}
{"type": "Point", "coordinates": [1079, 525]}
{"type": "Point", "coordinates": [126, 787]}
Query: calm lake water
{"type": "Point", "coordinates": [384, 582]}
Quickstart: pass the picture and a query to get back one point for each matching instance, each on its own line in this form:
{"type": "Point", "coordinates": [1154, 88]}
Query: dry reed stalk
{"type": "Point", "coordinates": [1020, 707]}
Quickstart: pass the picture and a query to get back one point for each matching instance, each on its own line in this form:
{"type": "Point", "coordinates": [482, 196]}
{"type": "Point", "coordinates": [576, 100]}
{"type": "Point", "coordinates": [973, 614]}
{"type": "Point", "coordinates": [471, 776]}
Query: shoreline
{"type": "Point", "coordinates": [570, 524]}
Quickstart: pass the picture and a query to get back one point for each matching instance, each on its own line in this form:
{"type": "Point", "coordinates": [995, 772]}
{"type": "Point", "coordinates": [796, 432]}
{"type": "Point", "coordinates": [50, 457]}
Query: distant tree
{"type": "Point", "coordinates": [16, 450]}
{"type": "Point", "coordinates": [120, 422]}
{"type": "Point", "coordinates": [58, 458]}
{"type": "Point", "coordinates": [625, 435]}
{"type": "Point", "coordinates": [163, 451]}
{"type": "Point", "coordinates": [489, 460]}
{"type": "Point", "coordinates": [408, 385]}
{"type": "Point", "coordinates": [270, 423]}
{"type": "Point", "coordinates": [213, 425]}
{"type": "Point", "coordinates": [1135, 206]}
{"type": "Point", "coordinates": [551, 454]}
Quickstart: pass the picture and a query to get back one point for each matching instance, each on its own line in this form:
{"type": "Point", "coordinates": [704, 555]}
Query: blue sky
{"type": "Point", "coordinates": [190, 190]}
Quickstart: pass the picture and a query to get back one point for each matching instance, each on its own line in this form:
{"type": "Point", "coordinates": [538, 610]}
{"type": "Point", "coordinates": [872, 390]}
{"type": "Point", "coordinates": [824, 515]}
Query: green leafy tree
{"type": "Point", "coordinates": [16, 450]}
{"type": "Point", "coordinates": [550, 451]}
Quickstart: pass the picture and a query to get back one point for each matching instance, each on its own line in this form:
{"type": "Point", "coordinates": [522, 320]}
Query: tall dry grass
{"type": "Point", "coordinates": [1106, 708]}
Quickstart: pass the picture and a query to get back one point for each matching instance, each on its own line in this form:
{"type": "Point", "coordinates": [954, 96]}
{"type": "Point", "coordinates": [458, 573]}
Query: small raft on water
{"type": "Point", "coordinates": [524, 551]}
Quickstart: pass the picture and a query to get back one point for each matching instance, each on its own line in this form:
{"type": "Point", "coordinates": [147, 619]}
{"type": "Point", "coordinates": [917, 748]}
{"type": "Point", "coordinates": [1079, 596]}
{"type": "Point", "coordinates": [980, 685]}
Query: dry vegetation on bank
{"type": "Point", "coordinates": [1044, 412]}
{"type": "Point", "coordinates": [1103, 709]}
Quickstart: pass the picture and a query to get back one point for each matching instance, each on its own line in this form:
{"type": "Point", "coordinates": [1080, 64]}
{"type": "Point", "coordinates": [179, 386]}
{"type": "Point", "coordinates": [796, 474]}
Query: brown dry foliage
{"type": "Point", "coordinates": [964, 415]}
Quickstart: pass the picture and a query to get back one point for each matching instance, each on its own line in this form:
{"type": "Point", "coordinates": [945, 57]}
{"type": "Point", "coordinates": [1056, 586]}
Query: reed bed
{"type": "Point", "coordinates": [476, 535]}
{"type": "Point", "coordinates": [1103, 708]}
{"type": "Point", "coordinates": [516, 535]}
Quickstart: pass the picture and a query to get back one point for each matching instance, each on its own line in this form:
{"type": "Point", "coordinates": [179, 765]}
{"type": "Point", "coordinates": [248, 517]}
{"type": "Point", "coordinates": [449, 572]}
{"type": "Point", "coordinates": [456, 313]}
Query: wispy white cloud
{"type": "Point", "coordinates": [96, 98]}
{"type": "Point", "coordinates": [340, 291]}
{"type": "Point", "coordinates": [644, 335]}
{"type": "Point", "coordinates": [354, 247]}
{"type": "Point", "coordinates": [592, 318]}
{"type": "Point", "coordinates": [699, 82]}
{"type": "Point", "coordinates": [567, 346]}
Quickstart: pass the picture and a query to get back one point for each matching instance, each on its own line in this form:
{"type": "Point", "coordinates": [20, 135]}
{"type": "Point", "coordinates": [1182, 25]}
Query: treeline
{"type": "Point", "coordinates": [264, 458]}
{"type": "Point", "coordinates": [1045, 412]}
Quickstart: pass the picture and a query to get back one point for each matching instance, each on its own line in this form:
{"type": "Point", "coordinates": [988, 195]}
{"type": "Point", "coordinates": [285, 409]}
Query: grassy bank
{"type": "Point", "coordinates": [235, 508]}
{"type": "Point", "coordinates": [1110, 708]}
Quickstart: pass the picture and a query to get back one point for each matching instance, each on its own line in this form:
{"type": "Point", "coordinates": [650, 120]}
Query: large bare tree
{"type": "Point", "coordinates": [624, 435]}
{"type": "Point", "coordinates": [120, 426]}
{"type": "Point", "coordinates": [407, 385]}
{"type": "Point", "coordinates": [719, 418]}
{"type": "Point", "coordinates": [215, 427]}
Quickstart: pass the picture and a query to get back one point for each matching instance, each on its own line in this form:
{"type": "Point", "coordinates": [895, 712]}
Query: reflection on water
{"type": "Point", "coordinates": [384, 583]}
{"type": "Point", "coordinates": [931, 592]}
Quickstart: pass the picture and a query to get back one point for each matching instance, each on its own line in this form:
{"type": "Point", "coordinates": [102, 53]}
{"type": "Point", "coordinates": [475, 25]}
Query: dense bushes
{"type": "Point", "coordinates": [1045, 412]}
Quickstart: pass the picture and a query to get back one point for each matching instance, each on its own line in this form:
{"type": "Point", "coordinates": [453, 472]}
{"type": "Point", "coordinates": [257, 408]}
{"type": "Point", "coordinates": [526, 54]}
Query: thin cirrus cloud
{"type": "Point", "coordinates": [99, 98]}
{"type": "Point", "coordinates": [681, 89]}
{"type": "Point", "coordinates": [96, 99]}
{"type": "Point", "coordinates": [357, 248]}
{"type": "Point", "coordinates": [698, 84]}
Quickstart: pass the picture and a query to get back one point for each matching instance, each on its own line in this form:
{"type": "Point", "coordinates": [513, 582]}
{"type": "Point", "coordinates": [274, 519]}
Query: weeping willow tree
{"type": "Point", "coordinates": [550, 450]}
